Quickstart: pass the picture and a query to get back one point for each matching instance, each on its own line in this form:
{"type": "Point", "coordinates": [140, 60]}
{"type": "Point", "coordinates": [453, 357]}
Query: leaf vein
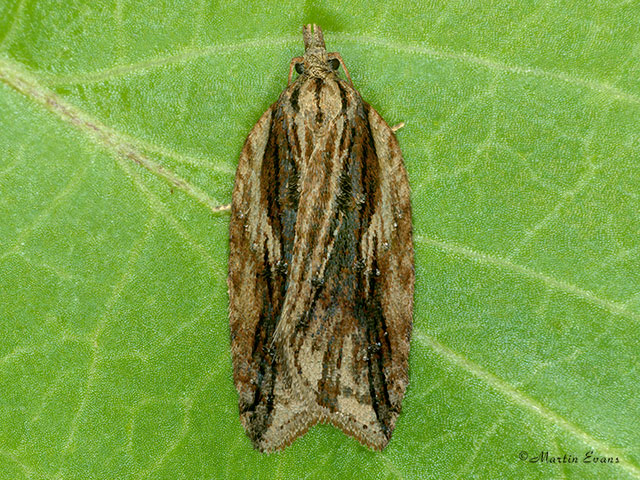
{"type": "Point", "coordinates": [524, 400]}
{"type": "Point", "coordinates": [68, 190]}
{"type": "Point", "coordinates": [493, 64]}
{"type": "Point", "coordinates": [555, 212]}
{"type": "Point", "coordinates": [28, 471]}
{"type": "Point", "coordinates": [189, 53]}
{"type": "Point", "coordinates": [116, 142]}
{"type": "Point", "coordinates": [613, 307]}
{"type": "Point", "coordinates": [159, 207]}
{"type": "Point", "coordinates": [96, 354]}
{"type": "Point", "coordinates": [5, 42]}
{"type": "Point", "coordinates": [419, 49]}
{"type": "Point", "coordinates": [188, 403]}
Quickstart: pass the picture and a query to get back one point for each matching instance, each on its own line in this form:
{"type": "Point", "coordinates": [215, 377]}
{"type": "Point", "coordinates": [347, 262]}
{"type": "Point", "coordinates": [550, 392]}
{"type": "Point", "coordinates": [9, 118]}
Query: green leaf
{"type": "Point", "coordinates": [120, 127]}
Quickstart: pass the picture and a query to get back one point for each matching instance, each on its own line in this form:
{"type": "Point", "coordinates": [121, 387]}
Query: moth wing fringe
{"type": "Point", "coordinates": [274, 440]}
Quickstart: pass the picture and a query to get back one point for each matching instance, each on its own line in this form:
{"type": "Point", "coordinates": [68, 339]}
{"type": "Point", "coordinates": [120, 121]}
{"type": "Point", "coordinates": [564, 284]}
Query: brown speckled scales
{"type": "Point", "coordinates": [321, 263]}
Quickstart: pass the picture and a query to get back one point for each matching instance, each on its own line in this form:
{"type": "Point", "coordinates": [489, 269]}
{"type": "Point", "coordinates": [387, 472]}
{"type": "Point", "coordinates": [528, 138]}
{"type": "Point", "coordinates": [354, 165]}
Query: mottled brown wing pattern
{"type": "Point", "coordinates": [321, 267]}
{"type": "Point", "coordinates": [256, 273]}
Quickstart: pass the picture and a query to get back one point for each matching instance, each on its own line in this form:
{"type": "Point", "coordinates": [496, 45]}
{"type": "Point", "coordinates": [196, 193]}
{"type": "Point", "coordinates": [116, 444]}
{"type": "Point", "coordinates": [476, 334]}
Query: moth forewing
{"type": "Point", "coordinates": [321, 263]}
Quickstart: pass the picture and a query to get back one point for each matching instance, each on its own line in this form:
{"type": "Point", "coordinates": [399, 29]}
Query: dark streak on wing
{"type": "Point", "coordinates": [294, 97]}
{"type": "Point", "coordinates": [278, 187]}
{"type": "Point", "coordinates": [318, 90]}
{"type": "Point", "coordinates": [377, 345]}
{"type": "Point", "coordinates": [343, 96]}
{"type": "Point", "coordinates": [259, 410]}
{"type": "Point", "coordinates": [376, 328]}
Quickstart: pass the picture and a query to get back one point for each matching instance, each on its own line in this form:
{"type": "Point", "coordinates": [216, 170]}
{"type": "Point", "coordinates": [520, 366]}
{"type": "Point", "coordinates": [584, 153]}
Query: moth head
{"type": "Point", "coordinates": [316, 60]}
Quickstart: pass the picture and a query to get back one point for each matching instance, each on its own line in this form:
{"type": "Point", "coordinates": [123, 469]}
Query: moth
{"type": "Point", "coordinates": [321, 268]}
